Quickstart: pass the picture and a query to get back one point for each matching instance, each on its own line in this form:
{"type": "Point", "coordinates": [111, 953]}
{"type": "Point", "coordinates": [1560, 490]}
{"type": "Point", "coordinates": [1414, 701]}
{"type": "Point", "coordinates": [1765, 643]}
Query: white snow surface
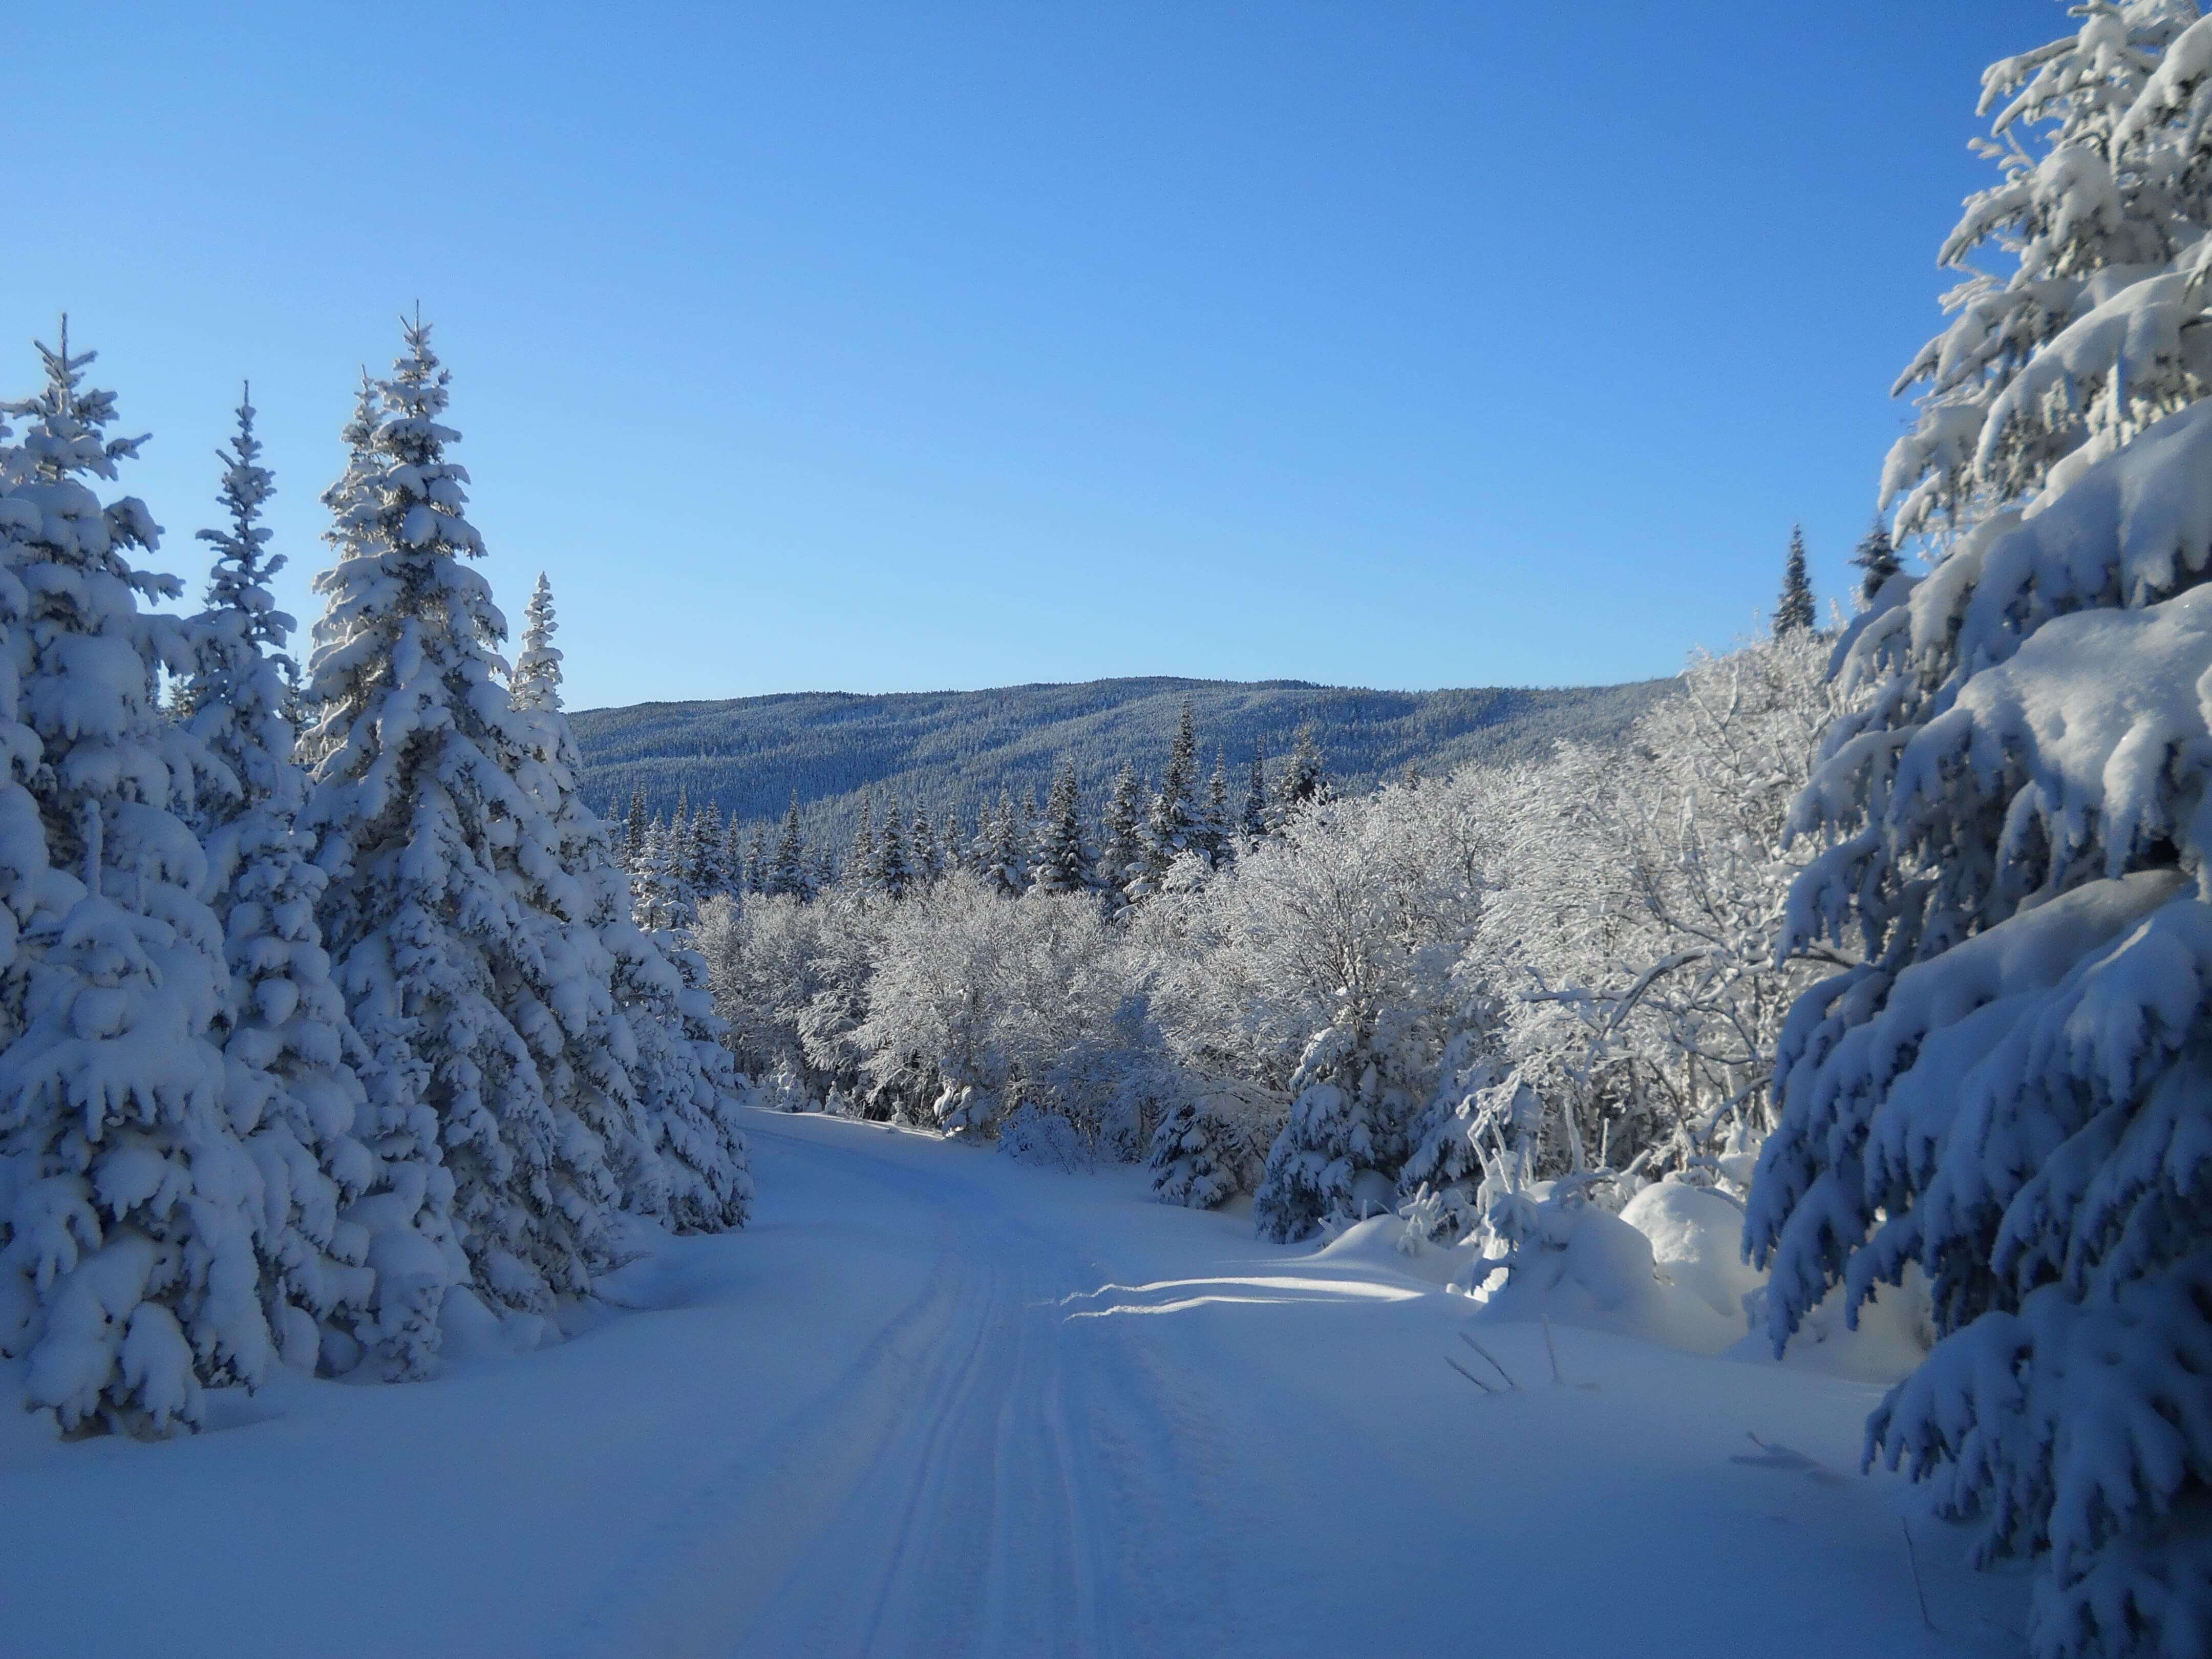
{"type": "Point", "coordinates": [932, 1403]}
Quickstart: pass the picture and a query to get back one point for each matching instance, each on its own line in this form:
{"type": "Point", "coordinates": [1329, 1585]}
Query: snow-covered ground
{"type": "Point", "coordinates": [932, 1403]}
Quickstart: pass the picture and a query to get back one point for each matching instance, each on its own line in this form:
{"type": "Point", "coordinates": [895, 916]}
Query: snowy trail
{"type": "Point", "coordinates": [932, 1499]}
{"type": "Point", "coordinates": [932, 1404]}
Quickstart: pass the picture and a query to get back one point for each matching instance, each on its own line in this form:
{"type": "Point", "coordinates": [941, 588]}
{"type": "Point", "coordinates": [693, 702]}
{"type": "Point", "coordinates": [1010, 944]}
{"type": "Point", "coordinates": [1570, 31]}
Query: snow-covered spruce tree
{"type": "Point", "coordinates": [133, 1218]}
{"type": "Point", "coordinates": [2011, 1092]}
{"type": "Point", "coordinates": [1793, 611]}
{"type": "Point", "coordinates": [999, 849]}
{"type": "Point", "coordinates": [1303, 782]}
{"type": "Point", "coordinates": [860, 857]}
{"type": "Point", "coordinates": [893, 876]}
{"type": "Point", "coordinates": [1253, 824]}
{"type": "Point", "coordinates": [1876, 559]}
{"type": "Point", "coordinates": [789, 876]}
{"type": "Point", "coordinates": [1122, 848]}
{"type": "Point", "coordinates": [921, 846]}
{"type": "Point", "coordinates": [634, 828]}
{"type": "Point", "coordinates": [439, 857]}
{"type": "Point", "coordinates": [1173, 827]}
{"type": "Point", "coordinates": [651, 892]}
{"type": "Point", "coordinates": [287, 1043]}
{"type": "Point", "coordinates": [2095, 204]}
{"type": "Point", "coordinates": [744, 855]}
{"type": "Point", "coordinates": [640, 1069]}
{"type": "Point", "coordinates": [1217, 828]}
{"type": "Point", "coordinates": [535, 678]}
{"type": "Point", "coordinates": [755, 865]}
{"type": "Point", "coordinates": [679, 865]}
{"type": "Point", "coordinates": [710, 867]}
{"type": "Point", "coordinates": [1340, 1154]}
{"type": "Point", "coordinates": [1211, 1145]}
{"type": "Point", "coordinates": [952, 855]}
{"type": "Point", "coordinates": [1061, 864]}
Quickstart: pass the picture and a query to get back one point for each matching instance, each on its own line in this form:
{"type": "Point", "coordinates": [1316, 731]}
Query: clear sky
{"type": "Point", "coordinates": [820, 345]}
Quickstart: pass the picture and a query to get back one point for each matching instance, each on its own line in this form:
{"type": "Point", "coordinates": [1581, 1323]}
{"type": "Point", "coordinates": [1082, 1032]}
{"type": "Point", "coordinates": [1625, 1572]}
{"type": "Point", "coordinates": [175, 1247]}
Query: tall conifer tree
{"type": "Point", "coordinates": [132, 1223]}
{"type": "Point", "coordinates": [1793, 611]}
{"type": "Point", "coordinates": [439, 857]}
{"type": "Point", "coordinates": [284, 1026]}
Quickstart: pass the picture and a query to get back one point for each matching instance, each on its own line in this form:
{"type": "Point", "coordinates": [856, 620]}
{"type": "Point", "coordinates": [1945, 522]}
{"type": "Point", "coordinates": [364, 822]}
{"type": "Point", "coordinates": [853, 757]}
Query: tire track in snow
{"type": "Point", "coordinates": [937, 1500]}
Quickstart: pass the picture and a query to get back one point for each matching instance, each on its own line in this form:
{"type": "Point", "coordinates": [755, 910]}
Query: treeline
{"type": "Point", "coordinates": [322, 1012]}
{"type": "Point", "coordinates": [678, 864]}
{"type": "Point", "coordinates": [1263, 987]}
{"type": "Point", "coordinates": [956, 751]}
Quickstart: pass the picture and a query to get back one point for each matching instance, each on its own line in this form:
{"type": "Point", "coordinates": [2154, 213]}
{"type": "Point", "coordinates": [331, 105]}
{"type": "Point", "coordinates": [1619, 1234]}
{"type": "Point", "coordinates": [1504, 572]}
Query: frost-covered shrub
{"type": "Point", "coordinates": [1624, 964]}
{"type": "Point", "coordinates": [1030, 1134]}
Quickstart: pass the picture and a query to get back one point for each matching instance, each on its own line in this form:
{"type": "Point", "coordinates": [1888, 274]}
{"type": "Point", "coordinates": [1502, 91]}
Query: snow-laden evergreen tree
{"type": "Point", "coordinates": [1877, 560]}
{"type": "Point", "coordinates": [1121, 850]}
{"type": "Point", "coordinates": [1173, 827]}
{"type": "Point", "coordinates": [538, 665]}
{"type": "Point", "coordinates": [679, 865]}
{"type": "Point", "coordinates": [640, 1070]}
{"type": "Point", "coordinates": [133, 1219]}
{"type": "Point", "coordinates": [1062, 863]}
{"type": "Point", "coordinates": [755, 862]}
{"type": "Point", "coordinates": [1351, 1109]}
{"type": "Point", "coordinates": [1793, 611]}
{"type": "Point", "coordinates": [860, 857]}
{"type": "Point", "coordinates": [439, 860]}
{"type": "Point", "coordinates": [1303, 783]}
{"type": "Point", "coordinates": [893, 875]}
{"type": "Point", "coordinates": [710, 869]}
{"type": "Point", "coordinates": [343, 500]}
{"type": "Point", "coordinates": [660, 890]}
{"type": "Point", "coordinates": [921, 846]}
{"type": "Point", "coordinates": [287, 1040]}
{"type": "Point", "coordinates": [2078, 334]}
{"type": "Point", "coordinates": [634, 828]}
{"type": "Point", "coordinates": [1217, 826]}
{"type": "Point", "coordinates": [1211, 1146]}
{"type": "Point", "coordinates": [1253, 824]}
{"type": "Point", "coordinates": [2011, 1090]}
{"type": "Point", "coordinates": [789, 877]}
{"type": "Point", "coordinates": [998, 848]}
{"type": "Point", "coordinates": [743, 862]}
{"type": "Point", "coordinates": [952, 853]}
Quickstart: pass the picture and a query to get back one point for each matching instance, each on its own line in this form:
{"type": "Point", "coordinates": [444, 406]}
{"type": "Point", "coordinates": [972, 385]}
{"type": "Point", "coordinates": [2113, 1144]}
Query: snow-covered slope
{"type": "Point", "coordinates": [933, 1403]}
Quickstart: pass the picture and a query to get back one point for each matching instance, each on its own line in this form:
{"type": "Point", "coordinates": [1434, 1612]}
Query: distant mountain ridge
{"type": "Point", "coordinates": [943, 749]}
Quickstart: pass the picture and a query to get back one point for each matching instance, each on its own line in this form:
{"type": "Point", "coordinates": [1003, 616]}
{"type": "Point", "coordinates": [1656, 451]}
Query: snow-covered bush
{"type": "Point", "coordinates": [1624, 963]}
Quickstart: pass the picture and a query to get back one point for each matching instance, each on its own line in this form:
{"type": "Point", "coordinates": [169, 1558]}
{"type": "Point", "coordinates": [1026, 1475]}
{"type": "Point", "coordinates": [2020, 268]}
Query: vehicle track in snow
{"type": "Point", "coordinates": [984, 1477]}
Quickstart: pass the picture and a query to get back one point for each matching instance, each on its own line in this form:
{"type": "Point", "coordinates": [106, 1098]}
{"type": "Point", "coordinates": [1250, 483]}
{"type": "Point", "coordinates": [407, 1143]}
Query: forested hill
{"type": "Point", "coordinates": [957, 748]}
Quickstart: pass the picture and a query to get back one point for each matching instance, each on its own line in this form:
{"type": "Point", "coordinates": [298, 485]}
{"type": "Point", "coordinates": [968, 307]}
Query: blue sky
{"type": "Point", "coordinates": [876, 346]}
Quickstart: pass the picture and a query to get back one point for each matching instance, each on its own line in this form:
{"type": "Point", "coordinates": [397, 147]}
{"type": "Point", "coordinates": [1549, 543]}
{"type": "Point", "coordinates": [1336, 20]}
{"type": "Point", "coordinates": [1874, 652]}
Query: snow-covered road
{"type": "Point", "coordinates": [931, 1403]}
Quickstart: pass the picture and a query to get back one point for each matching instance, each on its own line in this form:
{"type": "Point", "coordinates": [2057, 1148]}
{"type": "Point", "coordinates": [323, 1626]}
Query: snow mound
{"type": "Point", "coordinates": [1570, 1262]}
{"type": "Point", "coordinates": [1696, 1235]}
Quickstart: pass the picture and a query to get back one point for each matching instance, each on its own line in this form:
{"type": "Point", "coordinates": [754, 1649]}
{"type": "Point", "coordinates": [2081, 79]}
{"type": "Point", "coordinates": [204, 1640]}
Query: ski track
{"type": "Point", "coordinates": [931, 1404]}
{"type": "Point", "coordinates": [935, 1499]}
